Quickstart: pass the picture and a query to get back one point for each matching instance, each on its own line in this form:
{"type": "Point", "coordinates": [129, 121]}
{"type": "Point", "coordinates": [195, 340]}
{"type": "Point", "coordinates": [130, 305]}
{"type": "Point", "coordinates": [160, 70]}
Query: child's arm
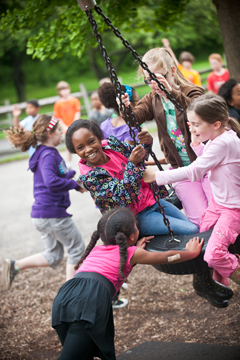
{"type": "Point", "coordinates": [51, 179]}
{"type": "Point", "coordinates": [211, 158]}
{"type": "Point", "coordinates": [16, 113]}
{"type": "Point", "coordinates": [152, 162]}
{"type": "Point", "coordinates": [143, 111]}
{"type": "Point", "coordinates": [142, 256]}
{"type": "Point", "coordinates": [166, 44]}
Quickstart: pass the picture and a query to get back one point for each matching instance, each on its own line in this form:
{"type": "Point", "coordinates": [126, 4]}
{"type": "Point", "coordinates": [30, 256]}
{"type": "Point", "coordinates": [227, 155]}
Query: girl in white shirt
{"type": "Point", "coordinates": [209, 120]}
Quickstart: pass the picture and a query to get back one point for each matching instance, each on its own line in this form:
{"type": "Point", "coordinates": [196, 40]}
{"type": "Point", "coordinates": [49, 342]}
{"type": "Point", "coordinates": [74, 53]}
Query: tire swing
{"type": "Point", "coordinates": [203, 283]}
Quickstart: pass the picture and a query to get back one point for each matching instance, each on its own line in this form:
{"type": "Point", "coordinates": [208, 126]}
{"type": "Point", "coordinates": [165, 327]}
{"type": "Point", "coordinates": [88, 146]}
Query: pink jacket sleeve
{"type": "Point", "coordinates": [211, 158]}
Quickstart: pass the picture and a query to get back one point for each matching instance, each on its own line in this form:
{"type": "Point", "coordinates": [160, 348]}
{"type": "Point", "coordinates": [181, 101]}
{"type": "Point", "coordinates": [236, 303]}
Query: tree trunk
{"type": "Point", "coordinates": [229, 17]}
{"type": "Point", "coordinates": [18, 73]}
{"type": "Point", "coordinates": [100, 72]}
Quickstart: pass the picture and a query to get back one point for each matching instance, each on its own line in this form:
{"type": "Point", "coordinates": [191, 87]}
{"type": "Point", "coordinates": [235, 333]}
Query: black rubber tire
{"type": "Point", "coordinates": [161, 243]}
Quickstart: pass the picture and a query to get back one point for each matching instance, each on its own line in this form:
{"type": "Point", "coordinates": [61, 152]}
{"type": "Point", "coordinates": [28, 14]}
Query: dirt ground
{"type": "Point", "coordinates": [161, 307]}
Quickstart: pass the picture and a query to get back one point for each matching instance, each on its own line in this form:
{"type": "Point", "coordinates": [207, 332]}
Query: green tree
{"type": "Point", "coordinates": [55, 28]}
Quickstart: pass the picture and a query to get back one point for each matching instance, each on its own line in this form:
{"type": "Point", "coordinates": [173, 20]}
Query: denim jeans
{"type": "Point", "coordinates": [150, 221]}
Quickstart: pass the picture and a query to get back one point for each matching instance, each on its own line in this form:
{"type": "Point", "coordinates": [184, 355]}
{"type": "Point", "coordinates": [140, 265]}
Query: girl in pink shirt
{"type": "Point", "coordinates": [82, 312]}
{"type": "Point", "coordinates": [208, 120]}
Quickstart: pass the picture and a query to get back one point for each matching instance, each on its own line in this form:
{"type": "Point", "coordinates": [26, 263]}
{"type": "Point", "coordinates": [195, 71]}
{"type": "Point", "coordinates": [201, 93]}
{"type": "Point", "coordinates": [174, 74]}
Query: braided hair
{"type": "Point", "coordinates": [114, 228]}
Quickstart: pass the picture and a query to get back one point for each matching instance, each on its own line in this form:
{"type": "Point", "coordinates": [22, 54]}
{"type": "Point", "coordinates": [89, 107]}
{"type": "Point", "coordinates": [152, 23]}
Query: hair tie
{"type": "Point", "coordinates": [33, 131]}
{"type": "Point", "coordinates": [128, 91]}
{"type": "Point", "coordinates": [228, 119]}
{"type": "Point", "coordinates": [53, 122]}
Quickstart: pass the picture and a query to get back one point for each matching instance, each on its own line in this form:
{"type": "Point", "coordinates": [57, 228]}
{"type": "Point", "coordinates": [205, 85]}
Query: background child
{"type": "Point", "coordinates": [99, 113]}
{"type": "Point", "coordinates": [208, 118]}
{"type": "Point", "coordinates": [116, 126]}
{"type": "Point", "coordinates": [52, 182]}
{"type": "Point", "coordinates": [230, 91]}
{"type": "Point", "coordinates": [173, 132]}
{"type": "Point", "coordinates": [81, 313]}
{"type": "Point", "coordinates": [32, 110]}
{"type": "Point", "coordinates": [218, 76]}
{"type": "Point", "coordinates": [185, 64]}
{"type": "Point", "coordinates": [67, 109]}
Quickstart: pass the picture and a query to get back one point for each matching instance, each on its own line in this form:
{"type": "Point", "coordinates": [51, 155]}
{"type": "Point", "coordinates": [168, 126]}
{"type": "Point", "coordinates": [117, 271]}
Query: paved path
{"type": "Point", "coordinates": [18, 236]}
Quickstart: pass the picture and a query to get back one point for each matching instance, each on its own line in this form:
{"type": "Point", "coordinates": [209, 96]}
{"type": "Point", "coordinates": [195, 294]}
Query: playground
{"type": "Point", "coordinates": [162, 307]}
{"type": "Point", "coordinates": [164, 317]}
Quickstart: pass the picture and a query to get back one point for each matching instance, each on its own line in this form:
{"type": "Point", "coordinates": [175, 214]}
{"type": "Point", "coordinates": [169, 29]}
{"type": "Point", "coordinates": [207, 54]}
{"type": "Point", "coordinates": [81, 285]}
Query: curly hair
{"type": "Point", "coordinates": [107, 96]}
{"type": "Point", "coordinates": [212, 108]}
{"type": "Point", "coordinates": [114, 228]}
{"type": "Point", "coordinates": [78, 124]}
{"type": "Point", "coordinates": [23, 139]}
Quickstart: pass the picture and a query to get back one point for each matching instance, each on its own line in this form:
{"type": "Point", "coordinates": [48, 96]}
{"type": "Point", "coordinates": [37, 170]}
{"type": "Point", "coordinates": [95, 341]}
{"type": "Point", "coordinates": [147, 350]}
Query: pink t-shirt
{"type": "Point", "coordinates": [116, 167]}
{"type": "Point", "coordinates": [105, 260]}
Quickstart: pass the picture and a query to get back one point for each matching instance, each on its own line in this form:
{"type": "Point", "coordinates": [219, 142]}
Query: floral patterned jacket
{"type": "Point", "coordinates": [108, 192]}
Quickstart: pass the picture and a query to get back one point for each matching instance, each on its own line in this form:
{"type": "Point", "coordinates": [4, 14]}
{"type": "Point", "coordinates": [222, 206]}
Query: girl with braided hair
{"type": "Point", "coordinates": [82, 311]}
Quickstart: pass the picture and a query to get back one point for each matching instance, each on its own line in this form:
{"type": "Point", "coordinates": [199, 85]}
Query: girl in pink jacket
{"type": "Point", "coordinates": [209, 120]}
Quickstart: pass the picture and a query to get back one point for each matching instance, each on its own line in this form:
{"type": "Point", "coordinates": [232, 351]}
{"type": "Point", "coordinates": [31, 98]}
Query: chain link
{"type": "Point", "coordinates": [129, 116]}
{"type": "Point", "coordinates": [138, 58]}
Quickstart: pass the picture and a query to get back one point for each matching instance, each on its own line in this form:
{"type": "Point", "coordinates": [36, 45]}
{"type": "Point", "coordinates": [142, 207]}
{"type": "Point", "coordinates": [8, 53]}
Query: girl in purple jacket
{"type": "Point", "coordinates": [52, 182]}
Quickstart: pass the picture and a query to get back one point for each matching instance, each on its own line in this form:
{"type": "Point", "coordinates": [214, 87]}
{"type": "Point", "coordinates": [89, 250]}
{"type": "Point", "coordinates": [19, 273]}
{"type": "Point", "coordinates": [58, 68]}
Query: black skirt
{"type": "Point", "coordinates": [89, 300]}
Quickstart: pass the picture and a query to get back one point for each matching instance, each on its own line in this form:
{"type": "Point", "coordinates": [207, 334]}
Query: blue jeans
{"type": "Point", "coordinates": [150, 221]}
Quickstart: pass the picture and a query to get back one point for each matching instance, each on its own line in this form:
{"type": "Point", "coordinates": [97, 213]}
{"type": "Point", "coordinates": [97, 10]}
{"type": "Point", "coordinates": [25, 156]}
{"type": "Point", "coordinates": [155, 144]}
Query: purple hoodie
{"type": "Point", "coordinates": [52, 181]}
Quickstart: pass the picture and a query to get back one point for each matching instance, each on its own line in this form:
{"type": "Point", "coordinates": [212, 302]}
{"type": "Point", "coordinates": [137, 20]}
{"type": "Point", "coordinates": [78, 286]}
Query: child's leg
{"type": "Point", "coordinates": [36, 260]}
{"type": "Point", "coordinates": [224, 233]}
{"type": "Point", "coordinates": [77, 344]}
{"type": "Point", "coordinates": [69, 236]}
{"type": "Point", "coordinates": [150, 221]}
{"type": "Point", "coordinates": [54, 251]}
{"type": "Point", "coordinates": [193, 198]}
{"type": "Point", "coordinates": [52, 255]}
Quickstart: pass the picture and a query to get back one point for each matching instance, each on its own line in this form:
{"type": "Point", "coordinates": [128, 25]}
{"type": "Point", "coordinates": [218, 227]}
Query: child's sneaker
{"type": "Point", "coordinates": [125, 286]}
{"type": "Point", "coordinates": [9, 273]}
{"type": "Point", "coordinates": [119, 303]}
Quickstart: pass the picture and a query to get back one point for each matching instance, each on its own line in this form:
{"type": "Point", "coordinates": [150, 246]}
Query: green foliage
{"type": "Point", "coordinates": [58, 37]}
{"type": "Point", "coordinates": [60, 26]}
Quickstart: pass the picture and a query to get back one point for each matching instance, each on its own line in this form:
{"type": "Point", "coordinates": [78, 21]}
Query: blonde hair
{"type": "Point", "coordinates": [62, 85]}
{"type": "Point", "coordinates": [216, 57]}
{"type": "Point", "coordinates": [212, 108]}
{"type": "Point", "coordinates": [23, 139]}
{"type": "Point", "coordinates": [162, 58]}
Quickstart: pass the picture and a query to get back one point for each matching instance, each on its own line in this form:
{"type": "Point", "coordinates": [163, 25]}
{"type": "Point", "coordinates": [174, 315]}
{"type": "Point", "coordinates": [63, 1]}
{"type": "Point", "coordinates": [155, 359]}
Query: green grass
{"type": "Point", "coordinates": [90, 82]}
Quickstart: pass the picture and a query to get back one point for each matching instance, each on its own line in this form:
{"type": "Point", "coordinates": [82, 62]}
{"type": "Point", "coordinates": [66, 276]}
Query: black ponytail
{"type": "Point", "coordinates": [91, 245]}
{"type": "Point", "coordinates": [121, 241]}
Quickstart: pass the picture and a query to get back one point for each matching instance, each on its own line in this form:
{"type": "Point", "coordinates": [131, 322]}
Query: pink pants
{"type": "Point", "coordinates": [226, 223]}
{"type": "Point", "coordinates": [195, 197]}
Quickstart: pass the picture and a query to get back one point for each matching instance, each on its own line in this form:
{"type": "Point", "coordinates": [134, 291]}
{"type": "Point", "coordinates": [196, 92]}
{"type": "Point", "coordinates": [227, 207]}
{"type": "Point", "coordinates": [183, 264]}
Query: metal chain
{"type": "Point", "coordinates": [138, 58]}
{"type": "Point", "coordinates": [128, 114]}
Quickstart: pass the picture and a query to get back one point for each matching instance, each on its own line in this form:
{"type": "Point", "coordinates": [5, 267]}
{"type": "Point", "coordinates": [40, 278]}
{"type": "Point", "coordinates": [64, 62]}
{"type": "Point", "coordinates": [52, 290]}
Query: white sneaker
{"type": "Point", "coordinates": [120, 303]}
{"type": "Point", "coordinates": [125, 286]}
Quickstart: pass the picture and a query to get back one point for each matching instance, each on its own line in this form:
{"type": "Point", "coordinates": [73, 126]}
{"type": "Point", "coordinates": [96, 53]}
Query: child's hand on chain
{"type": "Point", "coordinates": [145, 137]}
